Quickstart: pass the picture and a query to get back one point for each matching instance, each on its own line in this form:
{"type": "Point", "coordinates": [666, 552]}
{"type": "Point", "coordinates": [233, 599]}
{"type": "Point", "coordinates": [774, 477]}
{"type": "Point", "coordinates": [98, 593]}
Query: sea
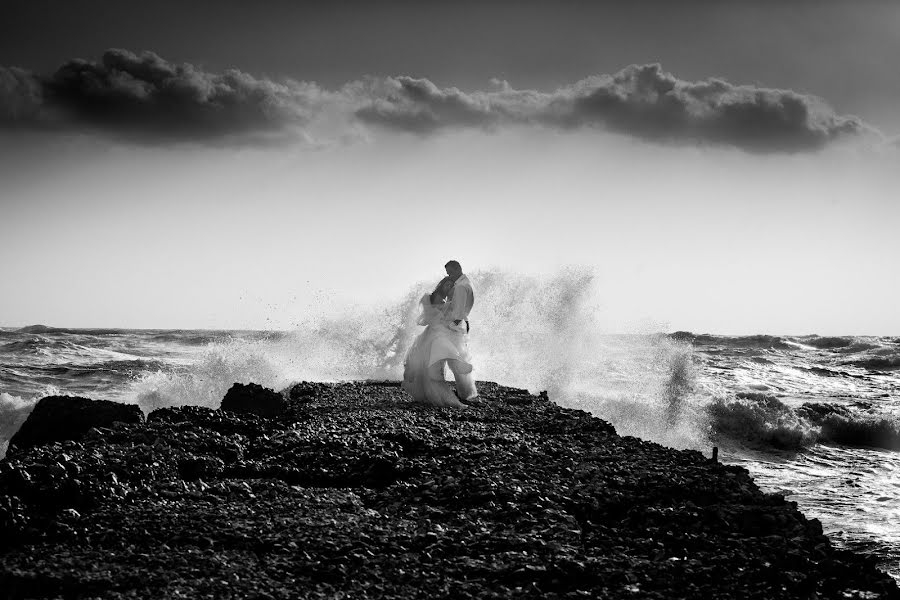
{"type": "Point", "coordinates": [814, 418]}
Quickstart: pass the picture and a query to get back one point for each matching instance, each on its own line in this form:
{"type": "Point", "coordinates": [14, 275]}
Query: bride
{"type": "Point", "coordinates": [423, 372]}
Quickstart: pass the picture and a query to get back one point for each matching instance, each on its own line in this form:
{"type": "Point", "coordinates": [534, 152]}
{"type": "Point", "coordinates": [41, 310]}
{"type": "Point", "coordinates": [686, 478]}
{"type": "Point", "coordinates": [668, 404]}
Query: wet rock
{"type": "Point", "coordinates": [200, 467]}
{"type": "Point", "coordinates": [58, 418]}
{"type": "Point", "coordinates": [355, 492]}
{"type": "Point", "coordinates": [253, 399]}
{"type": "Point", "coordinates": [304, 391]}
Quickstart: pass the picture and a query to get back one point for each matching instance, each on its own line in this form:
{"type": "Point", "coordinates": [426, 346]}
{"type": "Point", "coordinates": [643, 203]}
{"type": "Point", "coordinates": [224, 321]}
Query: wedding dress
{"type": "Point", "coordinates": [423, 373]}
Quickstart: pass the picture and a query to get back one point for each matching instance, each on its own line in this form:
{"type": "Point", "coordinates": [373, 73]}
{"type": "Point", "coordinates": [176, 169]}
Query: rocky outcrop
{"type": "Point", "coordinates": [61, 418]}
{"type": "Point", "coordinates": [253, 399]}
{"type": "Point", "coordinates": [356, 492]}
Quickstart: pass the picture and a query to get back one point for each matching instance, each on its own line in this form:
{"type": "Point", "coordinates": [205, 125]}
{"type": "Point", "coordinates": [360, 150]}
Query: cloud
{"type": "Point", "coordinates": [20, 97]}
{"type": "Point", "coordinates": [641, 100]}
{"type": "Point", "coordinates": [419, 106]}
{"type": "Point", "coordinates": [146, 98]}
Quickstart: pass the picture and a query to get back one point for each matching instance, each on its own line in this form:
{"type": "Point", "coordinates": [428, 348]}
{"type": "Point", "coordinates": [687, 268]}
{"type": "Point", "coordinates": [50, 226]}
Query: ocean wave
{"type": "Point", "coordinates": [205, 382]}
{"type": "Point", "coordinates": [754, 342]}
{"type": "Point", "coordinates": [841, 344]}
{"type": "Point", "coordinates": [878, 363]}
{"type": "Point", "coordinates": [44, 329]}
{"type": "Point", "coordinates": [827, 343]}
{"type": "Point", "coordinates": [13, 412]}
{"type": "Point", "coordinates": [80, 349]}
{"type": "Point", "coordinates": [827, 372]}
{"type": "Point", "coordinates": [122, 369]}
{"type": "Point", "coordinates": [30, 345]}
{"type": "Point", "coordinates": [864, 432]}
{"type": "Point", "coordinates": [188, 337]}
{"type": "Point", "coordinates": [763, 421]}
{"type": "Point", "coordinates": [760, 421]}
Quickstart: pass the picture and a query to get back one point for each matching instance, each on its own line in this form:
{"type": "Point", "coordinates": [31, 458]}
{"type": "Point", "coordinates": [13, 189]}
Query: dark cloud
{"type": "Point", "coordinates": [648, 102]}
{"type": "Point", "coordinates": [641, 100]}
{"type": "Point", "coordinates": [419, 106]}
{"type": "Point", "coordinates": [147, 98]}
{"type": "Point", "coordinates": [20, 97]}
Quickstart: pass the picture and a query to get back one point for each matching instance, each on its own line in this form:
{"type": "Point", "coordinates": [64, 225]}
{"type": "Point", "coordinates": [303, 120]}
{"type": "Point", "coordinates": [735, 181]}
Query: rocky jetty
{"type": "Point", "coordinates": [351, 491]}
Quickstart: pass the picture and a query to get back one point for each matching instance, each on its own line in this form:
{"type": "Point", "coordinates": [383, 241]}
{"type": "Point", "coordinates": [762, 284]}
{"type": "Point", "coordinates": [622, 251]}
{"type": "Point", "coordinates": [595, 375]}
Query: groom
{"type": "Point", "coordinates": [462, 298]}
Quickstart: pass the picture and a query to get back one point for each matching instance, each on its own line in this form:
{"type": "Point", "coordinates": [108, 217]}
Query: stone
{"type": "Point", "coordinates": [61, 418]}
{"type": "Point", "coordinates": [200, 467]}
{"type": "Point", "coordinates": [253, 399]}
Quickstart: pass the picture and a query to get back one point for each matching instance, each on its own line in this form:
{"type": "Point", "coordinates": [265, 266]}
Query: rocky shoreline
{"type": "Point", "coordinates": [351, 491]}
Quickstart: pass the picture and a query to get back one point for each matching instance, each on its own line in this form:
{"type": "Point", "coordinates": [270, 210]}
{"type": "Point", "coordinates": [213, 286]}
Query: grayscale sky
{"type": "Point", "coordinates": [727, 167]}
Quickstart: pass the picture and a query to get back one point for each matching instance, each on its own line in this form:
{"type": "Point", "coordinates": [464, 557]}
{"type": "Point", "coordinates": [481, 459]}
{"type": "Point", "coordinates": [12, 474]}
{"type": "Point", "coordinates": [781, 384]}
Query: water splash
{"type": "Point", "coordinates": [13, 412]}
{"type": "Point", "coordinates": [539, 333]}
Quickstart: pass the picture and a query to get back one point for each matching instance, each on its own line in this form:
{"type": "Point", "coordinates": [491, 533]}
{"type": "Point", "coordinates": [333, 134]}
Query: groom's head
{"type": "Point", "coordinates": [454, 271]}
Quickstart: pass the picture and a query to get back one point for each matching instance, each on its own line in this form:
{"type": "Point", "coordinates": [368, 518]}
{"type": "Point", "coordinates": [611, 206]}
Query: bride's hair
{"type": "Point", "coordinates": [441, 291]}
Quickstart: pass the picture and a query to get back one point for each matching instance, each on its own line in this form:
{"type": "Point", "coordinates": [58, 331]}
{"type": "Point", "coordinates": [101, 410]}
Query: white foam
{"type": "Point", "coordinates": [539, 333]}
{"type": "Point", "coordinates": [13, 412]}
{"type": "Point", "coordinates": [205, 382]}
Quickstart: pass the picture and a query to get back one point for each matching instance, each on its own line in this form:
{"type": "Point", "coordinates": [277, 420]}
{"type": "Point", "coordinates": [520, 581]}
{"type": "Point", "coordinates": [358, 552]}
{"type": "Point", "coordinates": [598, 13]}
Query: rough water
{"type": "Point", "coordinates": [814, 418]}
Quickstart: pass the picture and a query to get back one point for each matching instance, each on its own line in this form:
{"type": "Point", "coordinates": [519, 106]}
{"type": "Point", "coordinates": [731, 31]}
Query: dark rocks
{"type": "Point", "coordinates": [197, 418]}
{"type": "Point", "coordinates": [304, 391]}
{"type": "Point", "coordinates": [355, 492]}
{"type": "Point", "coordinates": [59, 418]}
{"type": "Point", "coordinates": [253, 399]}
{"type": "Point", "coordinates": [200, 467]}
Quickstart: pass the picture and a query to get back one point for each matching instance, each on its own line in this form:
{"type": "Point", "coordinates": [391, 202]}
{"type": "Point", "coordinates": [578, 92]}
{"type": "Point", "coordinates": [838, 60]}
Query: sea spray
{"type": "Point", "coordinates": [361, 343]}
{"type": "Point", "coordinates": [540, 333]}
{"type": "Point", "coordinates": [205, 382]}
{"type": "Point", "coordinates": [13, 412]}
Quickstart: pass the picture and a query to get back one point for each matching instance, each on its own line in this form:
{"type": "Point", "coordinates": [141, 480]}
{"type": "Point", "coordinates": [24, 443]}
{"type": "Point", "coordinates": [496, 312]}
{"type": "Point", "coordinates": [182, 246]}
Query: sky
{"type": "Point", "coordinates": [723, 167]}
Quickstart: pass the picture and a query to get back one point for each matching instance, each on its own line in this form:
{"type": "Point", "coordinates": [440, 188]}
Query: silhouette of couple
{"type": "Point", "coordinates": [444, 343]}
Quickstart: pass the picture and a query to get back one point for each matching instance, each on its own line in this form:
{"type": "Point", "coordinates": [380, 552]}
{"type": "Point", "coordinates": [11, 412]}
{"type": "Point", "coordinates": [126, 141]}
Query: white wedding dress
{"type": "Point", "coordinates": [423, 372]}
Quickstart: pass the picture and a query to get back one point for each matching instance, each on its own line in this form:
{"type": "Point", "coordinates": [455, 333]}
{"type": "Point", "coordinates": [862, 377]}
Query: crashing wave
{"type": "Point", "coordinates": [13, 412]}
{"type": "Point", "coordinates": [878, 363]}
{"type": "Point", "coordinates": [864, 432]}
{"type": "Point", "coordinates": [762, 421]}
{"type": "Point", "coordinates": [754, 342]}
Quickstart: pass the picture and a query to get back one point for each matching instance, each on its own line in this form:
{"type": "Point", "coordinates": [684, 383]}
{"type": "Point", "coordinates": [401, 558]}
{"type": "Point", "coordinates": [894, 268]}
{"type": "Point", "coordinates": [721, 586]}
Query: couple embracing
{"type": "Point", "coordinates": [445, 314]}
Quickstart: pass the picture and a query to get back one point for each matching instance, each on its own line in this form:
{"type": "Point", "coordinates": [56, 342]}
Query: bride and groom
{"type": "Point", "coordinates": [444, 343]}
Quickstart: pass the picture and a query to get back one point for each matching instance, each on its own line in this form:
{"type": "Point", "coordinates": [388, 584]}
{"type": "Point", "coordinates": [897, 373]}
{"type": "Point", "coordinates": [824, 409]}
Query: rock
{"type": "Point", "coordinates": [304, 391]}
{"type": "Point", "coordinates": [253, 399]}
{"type": "Point", "coordinates": [60, 418]}
{"type": "Point", "coordinates": [200, 467]}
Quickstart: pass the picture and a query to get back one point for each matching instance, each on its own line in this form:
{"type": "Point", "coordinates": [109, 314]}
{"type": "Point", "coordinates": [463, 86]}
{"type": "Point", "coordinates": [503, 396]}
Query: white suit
{"type": "Point", "coordinates": [462, 299]}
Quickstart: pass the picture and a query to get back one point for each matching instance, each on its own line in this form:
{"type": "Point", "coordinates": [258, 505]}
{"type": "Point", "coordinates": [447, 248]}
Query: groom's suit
{"type": "Point", "coordinates": [462, 299]}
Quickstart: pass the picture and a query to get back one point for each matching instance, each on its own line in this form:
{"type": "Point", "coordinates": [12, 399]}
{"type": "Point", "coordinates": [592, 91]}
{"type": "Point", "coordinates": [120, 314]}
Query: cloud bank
{"type": "Point", "coordinates": [148, 99]}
